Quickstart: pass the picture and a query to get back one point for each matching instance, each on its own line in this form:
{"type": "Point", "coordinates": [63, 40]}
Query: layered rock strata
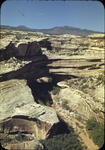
{"type": "Point", "coordinates": [31, 65]}
{"type": "Point", "coordinates": [20, 113]}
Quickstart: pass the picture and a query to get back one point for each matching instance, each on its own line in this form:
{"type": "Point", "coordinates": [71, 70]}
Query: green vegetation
{"type": "Point", "coordinates": [63, 137]}
{"type": "Point", "coordinates": [21, 137]}
{"type": "Point", "coordinates": [100, 79]}
{"type": "Point", "coordinates": [96, 131]}
{"type": "Point", "coordinates": [87, 83]}
{"type": "Point", "coordinates": [63, 142]}
{"type": "Point", "coordinates": [84, 84]}
{"type": "Point", "coordinates": [80, 126]}
{"type": "Point", "coordinates": [84, 44]}
{"type": "Point", "coordinates": [6, 139]}
{"type": "Point", "coordinates": [55, 90]}
{"type": "Point", "coordinates": [79, 118]}
{"type": "Point", "coordinates": [19, 36]}
{"type": "Point", "coordinates": [84, 87]}
{"type": "Point", "coordinates": [65, 105]}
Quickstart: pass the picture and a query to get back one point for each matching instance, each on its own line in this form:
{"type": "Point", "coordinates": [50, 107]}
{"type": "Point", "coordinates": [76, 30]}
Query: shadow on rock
{"type": "Point", "coordinates": [22, 50]}
{"type": "Point", "coordinates": [37, 68]}
{"type": "Point", "coordinates": [45, 44]}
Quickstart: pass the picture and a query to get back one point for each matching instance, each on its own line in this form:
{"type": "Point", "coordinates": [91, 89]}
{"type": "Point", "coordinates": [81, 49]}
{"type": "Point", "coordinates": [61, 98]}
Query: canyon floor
{"type": "Point", "coordinates": [51, 87]}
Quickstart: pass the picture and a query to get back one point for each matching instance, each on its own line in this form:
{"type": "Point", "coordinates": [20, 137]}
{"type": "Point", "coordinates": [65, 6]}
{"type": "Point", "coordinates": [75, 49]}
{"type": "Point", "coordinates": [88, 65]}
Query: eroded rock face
{"type": "Point", "coordinates": [20, 113]}
{"type": "Point", "coordinates": [22, 50]}
{"type": "Point", "coordinates": [63, 57]}
{"type": "Point", "coordinates": [81, 104]}
{"type": "Point", "coordinates": [33, 49]}
{"type": "Point", "coordinates": [31, 128]}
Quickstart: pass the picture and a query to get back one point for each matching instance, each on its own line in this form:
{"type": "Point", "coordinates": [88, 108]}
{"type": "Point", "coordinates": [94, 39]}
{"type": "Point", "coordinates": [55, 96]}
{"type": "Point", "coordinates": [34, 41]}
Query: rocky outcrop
{"type": "Point", "coordinates": [20, 113]}
{"type": "Point", "coordinates": [25, 61]}
{"type": "Point", "coordinates": [31, 65]}
{"type": "Point", "coordinates": [45, 43]}
{"type": "Point", "coordinates": [79, 103]}
{"type": "Point", "coordinates": [62, 84]}
{"type": "Point", "coordinates": [21, 50]}
{"type": "Point", "coordinates": [75, 55]}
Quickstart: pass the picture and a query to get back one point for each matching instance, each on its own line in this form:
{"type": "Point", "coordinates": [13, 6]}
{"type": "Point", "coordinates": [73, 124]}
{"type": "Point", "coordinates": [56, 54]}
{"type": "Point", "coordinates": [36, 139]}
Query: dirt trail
{"type": "Point", "coordinates": [80, 129]}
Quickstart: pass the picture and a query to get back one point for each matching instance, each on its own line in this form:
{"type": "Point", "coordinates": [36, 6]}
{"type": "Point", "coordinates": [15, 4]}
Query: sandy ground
{"type": "Point", "coordinates": [82, 132]}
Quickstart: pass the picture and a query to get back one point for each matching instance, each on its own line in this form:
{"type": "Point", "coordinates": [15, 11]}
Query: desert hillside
{"type": "Point", "coordinates": [51, 91]}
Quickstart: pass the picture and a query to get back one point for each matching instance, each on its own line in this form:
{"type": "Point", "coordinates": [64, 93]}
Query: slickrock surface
{"type": "Point", "coordinates": [17, 102]}
{"type": "Point", "coordinates": [44, 75]}
{"type": "Point", "coordinates": [16, 99]}
{"type": "Point", "coordinates": [80, 104]}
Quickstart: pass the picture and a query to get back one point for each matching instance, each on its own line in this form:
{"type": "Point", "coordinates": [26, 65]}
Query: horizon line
{"type": "Point", "coordinates": [53, 27]}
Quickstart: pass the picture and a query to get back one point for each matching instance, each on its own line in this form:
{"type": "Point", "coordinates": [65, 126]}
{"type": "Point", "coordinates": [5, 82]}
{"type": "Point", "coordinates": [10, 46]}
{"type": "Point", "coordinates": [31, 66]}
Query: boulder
{"type": "Point", "coordinates": [44, 80]}
{"type": "Point", "coordinates": [62, 84]}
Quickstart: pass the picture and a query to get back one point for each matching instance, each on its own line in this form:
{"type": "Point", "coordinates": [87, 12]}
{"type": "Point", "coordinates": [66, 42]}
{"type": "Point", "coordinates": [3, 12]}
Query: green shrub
{"type": "Point", "coordinates": [65, 105]}
{"type": "Point", "coordinates": [55, 90]}
{"type": "Point", "coordinates": [18, 36]}
{"type": "Point", "coordinates": [18, 137]}
{"type": "Point", "coordinates": [96, 131]}
{"type": "Point", "coordinates": [7, 139]}
{"type": "Point", "coordinates": [21, 137]}
{"type": "Point", "coordinates": [63, 142]}
{"type": "Point", "coordinates": [100, 79]}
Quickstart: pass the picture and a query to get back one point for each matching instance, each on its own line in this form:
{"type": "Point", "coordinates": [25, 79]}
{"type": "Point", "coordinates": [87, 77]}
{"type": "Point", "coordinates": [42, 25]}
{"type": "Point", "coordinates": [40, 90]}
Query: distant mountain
{"type": "Point", "coordinates": [56, 30]}
{"type": "Point", "coordinates": [67, 30]}
{"type": "Point", "coordinates": [22, 27]}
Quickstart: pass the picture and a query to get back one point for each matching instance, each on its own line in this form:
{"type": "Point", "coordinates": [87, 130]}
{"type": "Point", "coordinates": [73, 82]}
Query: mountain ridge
{"type": "Point", "coordinates": [58, 30]}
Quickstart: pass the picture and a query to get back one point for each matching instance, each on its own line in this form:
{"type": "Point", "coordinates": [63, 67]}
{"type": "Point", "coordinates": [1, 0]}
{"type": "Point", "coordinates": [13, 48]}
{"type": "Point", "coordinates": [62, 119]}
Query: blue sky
{"type": "Point", "coordinates": [40, 14]}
